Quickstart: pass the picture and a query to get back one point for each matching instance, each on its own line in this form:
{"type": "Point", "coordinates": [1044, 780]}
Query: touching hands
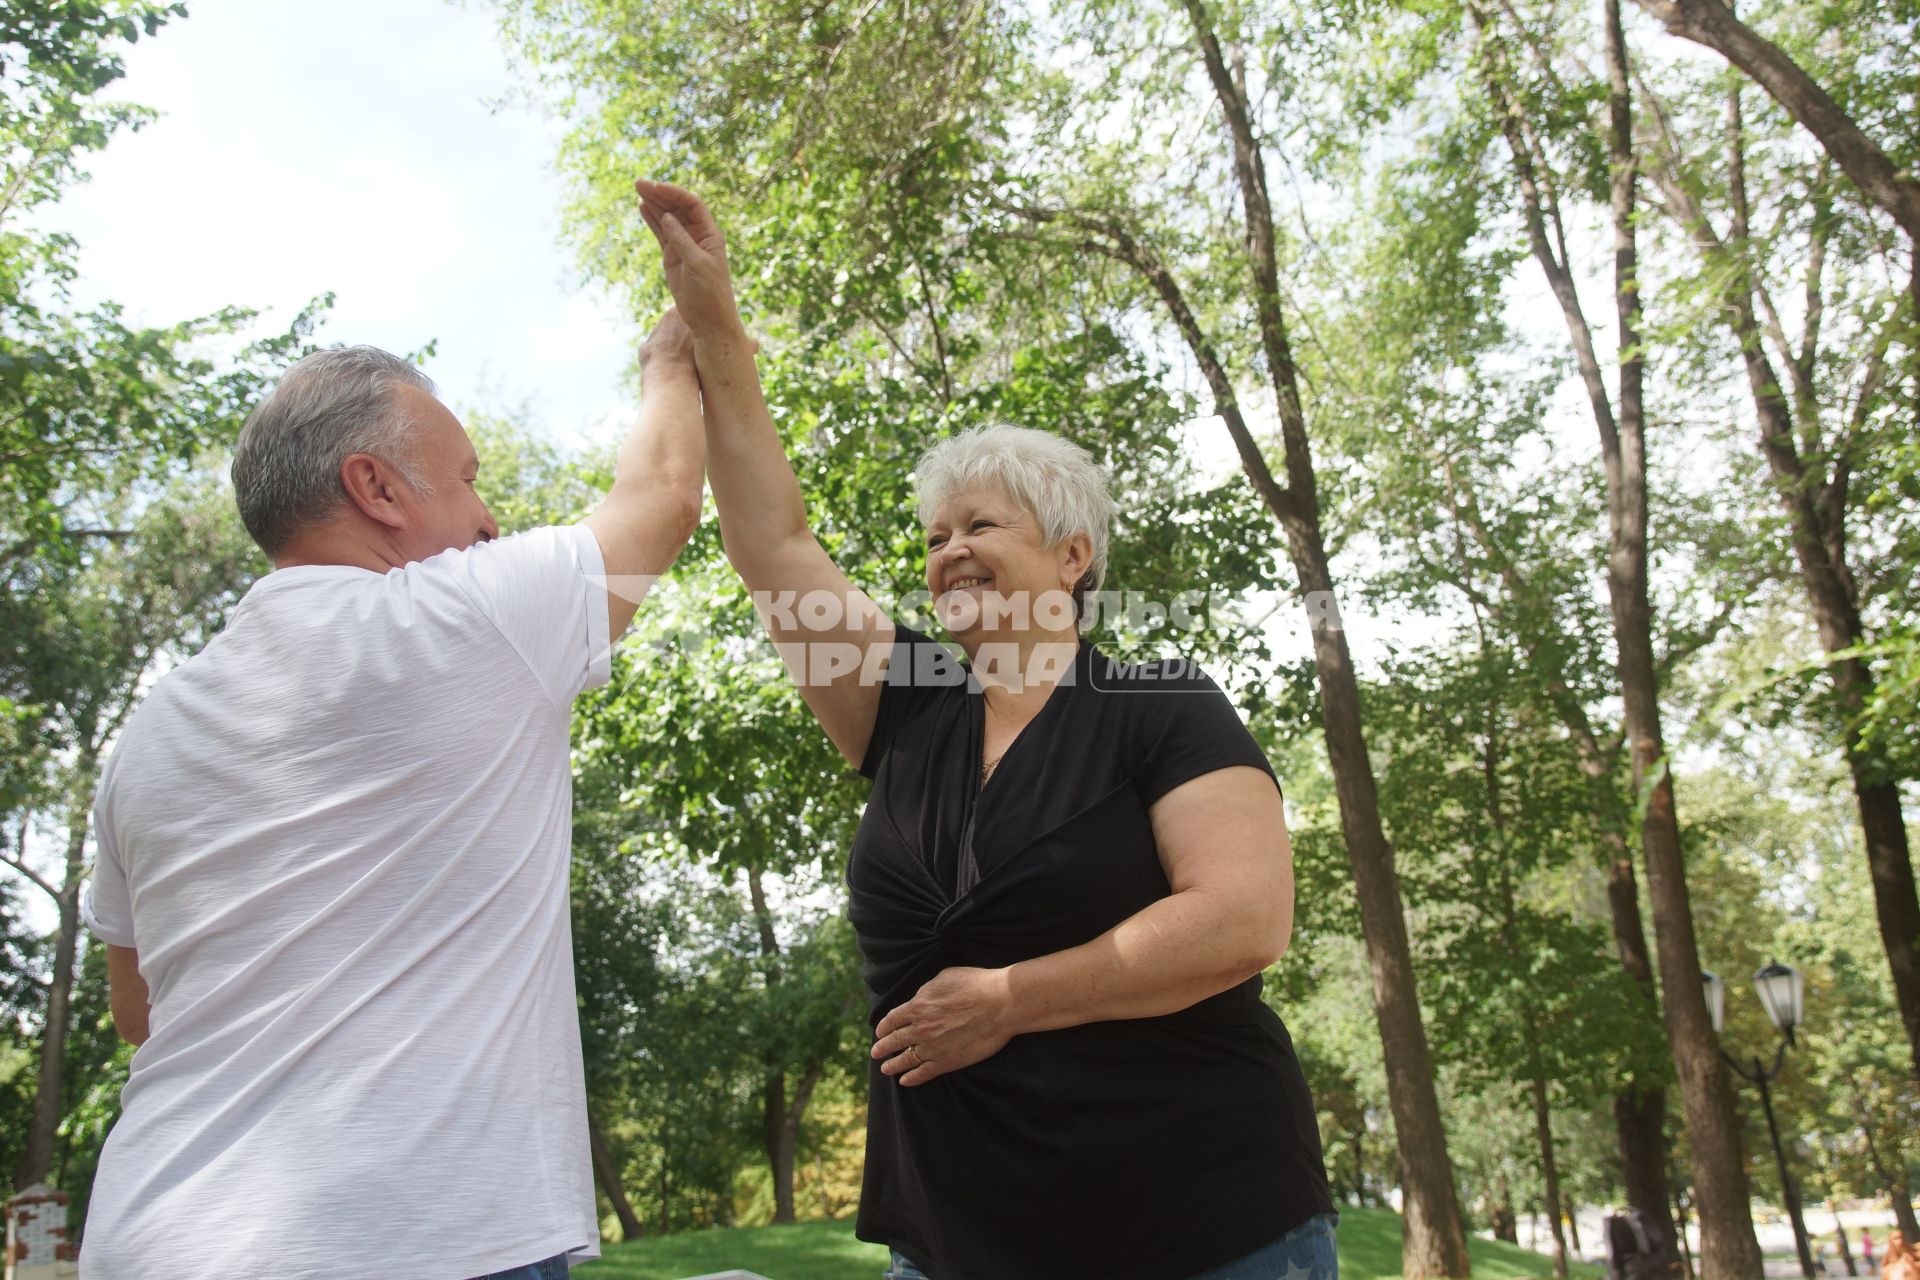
{"type": "Point", "coordinates": [959, 1017]}
{"type": "Point", "coordinates": [694, 254]}
{"type": "Point", "coordinates": [670, 343]}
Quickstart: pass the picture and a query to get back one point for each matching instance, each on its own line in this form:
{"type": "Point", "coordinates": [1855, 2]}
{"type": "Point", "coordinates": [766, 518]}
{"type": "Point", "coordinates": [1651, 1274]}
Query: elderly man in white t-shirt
{"type": "Point", "coordinates": [333, 848]}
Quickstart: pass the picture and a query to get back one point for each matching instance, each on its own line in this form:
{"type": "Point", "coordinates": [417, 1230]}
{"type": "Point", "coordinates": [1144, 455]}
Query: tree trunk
{"type": "Point", "coordinates": [780, 1119]}
{"type": "Point", "coordinates": [1536, 1070]}
{"type": "Point", "coordinates": [1639, 1124]}
{"type": "Point", "coordinates": [1713, 23]}
{"type": "Point", "coordinates": [1729, 1249]}
{"type": "Point", "coordinates": [1503, 1224]}
{"type": "Point", "coordinates": [1893, 1176]}
{"type": "Point", "coordinates": [777, 1137]}
{"type": "Point", "coordinates": [1889, 861]}
{"type": "Point", "coordinates": [780, 1116]}
{"type": "Point", "coordinates": [1434, 1243]}
{"type": "Point", "coordinates": [666, 1151]}
{"type": "Point", "coordinates": [1434, 1239]}
{"type": "Point", "coordinates": [1639, 1110]}
{"type": "Point", "coordinates": [779, 1123]}
{"type": "Point", "coordinates": [36, 1163]}
{"type": "Point", "coordinates": [1817, 518]}
{"type": "Point", "coordinates": [1816, 513]}
{"type": "Point", "coordinates": [606, 1172]}
{"type": "Point", "coordinates": [1840, 1238]}
{"type": "Point", "coordinates": [1549, 1171]}
{"type": "Point", "coordinates": [1913, 320]}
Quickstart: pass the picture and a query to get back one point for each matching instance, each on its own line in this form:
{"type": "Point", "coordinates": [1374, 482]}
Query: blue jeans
{"type": "Point", "coordinates": [554, 1268]}
{"type": "Point", "coordinates": [1304, 1253]}
{"type": "Point", "coordinates": [902, 1268]}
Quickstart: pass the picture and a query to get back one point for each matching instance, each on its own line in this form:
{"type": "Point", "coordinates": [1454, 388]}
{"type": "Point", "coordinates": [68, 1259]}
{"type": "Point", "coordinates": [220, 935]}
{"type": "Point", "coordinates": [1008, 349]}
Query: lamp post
{"type": "Point", "coordinates": [1783, 995]}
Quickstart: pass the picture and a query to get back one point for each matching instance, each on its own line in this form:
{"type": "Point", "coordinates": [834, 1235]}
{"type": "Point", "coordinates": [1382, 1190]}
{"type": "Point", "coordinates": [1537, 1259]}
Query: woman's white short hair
{"type": "Point", "coordinates": [1054, 479]}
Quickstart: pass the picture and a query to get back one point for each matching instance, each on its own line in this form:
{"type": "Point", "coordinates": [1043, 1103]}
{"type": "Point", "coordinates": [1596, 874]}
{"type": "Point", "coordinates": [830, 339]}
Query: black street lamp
{"type": "Point", "coordinates": [1783, 994]}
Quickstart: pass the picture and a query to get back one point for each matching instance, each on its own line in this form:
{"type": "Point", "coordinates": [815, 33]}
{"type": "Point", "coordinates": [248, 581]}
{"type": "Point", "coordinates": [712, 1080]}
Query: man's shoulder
{"type": "Point", "coordinates": [153, 728]}
{"type": "Point", "coordinates": [543, 546]}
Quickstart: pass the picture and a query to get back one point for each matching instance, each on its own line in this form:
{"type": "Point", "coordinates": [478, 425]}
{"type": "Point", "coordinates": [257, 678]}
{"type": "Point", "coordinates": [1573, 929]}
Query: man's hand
{"type": "Point", "coordinates": [695, 256]}
{"type": "Point", "coordinates": [670, 344]}
{"type": "Point", "coordinates": [960, 1017]}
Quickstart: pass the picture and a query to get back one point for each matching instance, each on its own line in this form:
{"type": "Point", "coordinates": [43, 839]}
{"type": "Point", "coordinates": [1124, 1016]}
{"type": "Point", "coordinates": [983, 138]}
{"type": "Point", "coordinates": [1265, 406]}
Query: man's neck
{"type": "Point", "coordinates": [335, 546]}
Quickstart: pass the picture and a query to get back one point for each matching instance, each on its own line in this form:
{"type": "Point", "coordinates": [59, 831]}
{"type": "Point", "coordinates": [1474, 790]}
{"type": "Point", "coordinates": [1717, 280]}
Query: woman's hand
{"type": "Point", "coordinates": [960, 1017]}
{"type": "Point", "coordinates": [695, 256]}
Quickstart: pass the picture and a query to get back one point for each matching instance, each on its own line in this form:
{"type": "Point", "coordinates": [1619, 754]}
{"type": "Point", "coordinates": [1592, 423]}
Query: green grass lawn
{"type": "Point", "coordinates": [1369, 1250]}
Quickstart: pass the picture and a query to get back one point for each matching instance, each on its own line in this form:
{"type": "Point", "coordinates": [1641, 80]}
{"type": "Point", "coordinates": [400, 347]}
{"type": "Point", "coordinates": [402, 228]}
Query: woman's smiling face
{"type": "Point", "coordinates": [990, 570]}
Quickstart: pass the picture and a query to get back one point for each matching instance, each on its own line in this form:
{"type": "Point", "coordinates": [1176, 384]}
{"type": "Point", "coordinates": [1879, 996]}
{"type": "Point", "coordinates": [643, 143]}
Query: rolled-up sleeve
{"type": "Point", "coordinates": [106, 903]}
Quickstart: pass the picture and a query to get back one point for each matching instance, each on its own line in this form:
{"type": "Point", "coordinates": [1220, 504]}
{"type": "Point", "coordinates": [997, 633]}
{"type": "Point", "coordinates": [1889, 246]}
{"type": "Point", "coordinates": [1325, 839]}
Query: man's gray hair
{"type": "Point", "coordinates": [1055, 479]}
{"type": "Point", "coordinates": [329, 406]}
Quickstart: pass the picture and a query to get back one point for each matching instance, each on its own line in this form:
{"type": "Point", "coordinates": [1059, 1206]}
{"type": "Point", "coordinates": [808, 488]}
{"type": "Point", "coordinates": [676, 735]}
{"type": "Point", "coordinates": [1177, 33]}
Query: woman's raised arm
{"type": "Point", "coordinates": [832, 636]}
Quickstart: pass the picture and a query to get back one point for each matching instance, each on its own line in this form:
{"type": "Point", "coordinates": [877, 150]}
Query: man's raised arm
{"type": "Point", "coordinates": [654, 504]}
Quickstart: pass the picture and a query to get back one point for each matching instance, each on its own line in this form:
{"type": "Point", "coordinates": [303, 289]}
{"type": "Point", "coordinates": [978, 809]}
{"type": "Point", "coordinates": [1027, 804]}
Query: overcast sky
{"type": "Point", "coordinates": [349, 146]}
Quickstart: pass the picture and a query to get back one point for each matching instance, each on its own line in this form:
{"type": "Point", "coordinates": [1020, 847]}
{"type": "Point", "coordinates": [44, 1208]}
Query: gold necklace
{"type": "Point", "coordinates": [987, 767]}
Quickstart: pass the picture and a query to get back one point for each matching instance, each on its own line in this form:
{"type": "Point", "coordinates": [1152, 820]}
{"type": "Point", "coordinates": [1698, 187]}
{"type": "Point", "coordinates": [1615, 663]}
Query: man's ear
{"type": "Point", "coordinates": [374, 488]}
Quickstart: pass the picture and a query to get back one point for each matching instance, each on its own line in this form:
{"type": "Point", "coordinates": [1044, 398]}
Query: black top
{"type": "Point", "coordinates": [1147, 1149]}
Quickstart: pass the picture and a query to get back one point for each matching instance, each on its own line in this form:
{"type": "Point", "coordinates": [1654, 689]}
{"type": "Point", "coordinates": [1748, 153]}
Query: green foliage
{"type": "Point", "coordinates": [1494, 824]}
{"type": "Point", "coordinates": [120, 551]}
{"type": "Point", "coordinates": [525, 479]}
{"type": "Point", "coordinates": [1891, 723]}
{"type": "Point", "coordinates": [97, 1060]}
{"type": "Point", "coordinates": [87, 401]}
{"type": "Point", "coordinates": [56, 56]}
{"type": "Point", "coordinates": [91, 633]}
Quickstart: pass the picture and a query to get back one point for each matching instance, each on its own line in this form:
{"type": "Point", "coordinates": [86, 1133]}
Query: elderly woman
{"type": "Point", "coordinates": [1066, 883]}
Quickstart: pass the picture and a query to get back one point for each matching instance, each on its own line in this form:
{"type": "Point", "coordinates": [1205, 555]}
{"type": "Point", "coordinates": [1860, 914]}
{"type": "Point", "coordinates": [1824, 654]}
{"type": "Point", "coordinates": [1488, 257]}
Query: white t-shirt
{"type": "Point", "coordinates": [339, 838]}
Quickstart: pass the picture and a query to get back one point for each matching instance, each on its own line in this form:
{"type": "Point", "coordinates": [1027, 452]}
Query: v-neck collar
{"type": "Point", "coordinates": [967, 872]}
{"type": "Point", "coordinates": [977, 720]}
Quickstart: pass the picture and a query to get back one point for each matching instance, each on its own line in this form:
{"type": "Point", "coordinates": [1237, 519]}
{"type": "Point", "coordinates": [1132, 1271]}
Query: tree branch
{"type": "Point", "coordinates": [13, 860]}
{"type": "Point", "coordinates": [1559, 279]}
{"type": "Point", "coordinates": [1818, 234]}
{"type": "Point", "coordinates": [1693, 642]}
{"type": "Point", "coordinates": [1549, 674]}
{"type": "Point", "coordinates": [1108, 238]}
{"type": "Point", "coordinates": [939, 340]}
{"type": "Point", "coordinates": [1303, 500]}
{"type": "Point", "coordinates": [1713, 24]}
{"type": "Point", "coordinates": [1740, 247]}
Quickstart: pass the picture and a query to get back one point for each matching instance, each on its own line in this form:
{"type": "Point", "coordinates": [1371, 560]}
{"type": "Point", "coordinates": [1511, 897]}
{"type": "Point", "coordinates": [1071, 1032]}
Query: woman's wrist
{"type": "Point", "coordinates": [722, 337]}
{"type": "Point", "coordinates": [1019, 998]}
